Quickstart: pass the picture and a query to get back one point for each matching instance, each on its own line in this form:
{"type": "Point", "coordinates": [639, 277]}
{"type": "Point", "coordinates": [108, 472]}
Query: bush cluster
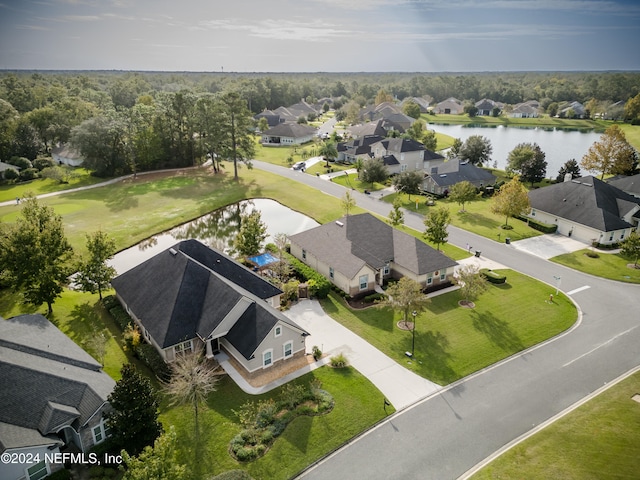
{"type": "Point", "coordinates": [319, 286]}
{"type": "Point", "coordinates": [374, 297]}
{"type": "Point", "coordinates": [539, 226]}
{"type": "Point", "coordinates": [264, 421]}
{"type": "Point", "coordinates": [339, 361]}
{"type": "Point", "coordinates": [492, 276]}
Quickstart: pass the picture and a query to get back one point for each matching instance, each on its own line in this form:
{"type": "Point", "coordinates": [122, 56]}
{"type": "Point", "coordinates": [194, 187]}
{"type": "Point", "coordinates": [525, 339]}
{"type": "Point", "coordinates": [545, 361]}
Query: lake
{"type": "Point", "coordinates": [559, 145]}
{"type": "Point", "coordinates": [217, 229]}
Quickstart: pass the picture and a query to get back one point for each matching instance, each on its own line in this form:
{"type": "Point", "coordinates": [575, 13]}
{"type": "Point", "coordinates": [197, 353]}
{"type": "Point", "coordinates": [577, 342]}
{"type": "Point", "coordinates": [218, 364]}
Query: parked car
{"type": "Point", "coordinates": [299, 166]}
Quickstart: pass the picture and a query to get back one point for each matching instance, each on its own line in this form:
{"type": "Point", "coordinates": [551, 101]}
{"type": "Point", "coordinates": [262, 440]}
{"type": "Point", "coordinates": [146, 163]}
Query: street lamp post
{"type": "Point", "coordinates": [558, 280]}
{"type": "Point", "coordinates": [413, 331]}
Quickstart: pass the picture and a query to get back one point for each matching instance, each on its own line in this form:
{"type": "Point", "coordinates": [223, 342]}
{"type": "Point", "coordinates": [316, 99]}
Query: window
{"type": "Point", "coordinates": [429, 280]}
{"type": "Point", "coordinates": [330, 272]}
{"type": "Point", "coordinates": [622, 236]}
{"type": "Point", "coordinates": [278, 331]}
{"type": "Point", "coordinates": [403, 168]}
{"type": "Point", "coordinates": [364, 282]}
{"type": "Point", "coordinates": [443, 276]}
{"type": "Point", "coordinates": [184, 347]}
{"type": "Point", "coordinates": [288, 349]}
{"type": "Point", "coordinates": [533, 213]}
{"type": "Point", "coordinates": [100, 432]}
{"type": "Point", "coordinates": [611, 237]}
{"type": "Point", "coordinates": [37, 471]}
{"type": "Point", "coordinates": [267, 358]}
{"type": "Point", "coordinates": [386, 269]}
{"type": "Point", "coordinates": [304, 254]}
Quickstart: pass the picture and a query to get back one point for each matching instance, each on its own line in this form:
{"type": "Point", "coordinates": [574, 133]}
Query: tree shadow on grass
{"type": "Point", "coordinates": [9, 299]}
{"type": "Point", "coordinates": [432, 349]}
{"type": "Point", "coordinates": [497, 331]}
{"type": "Point", "coordinates": [297, 433]}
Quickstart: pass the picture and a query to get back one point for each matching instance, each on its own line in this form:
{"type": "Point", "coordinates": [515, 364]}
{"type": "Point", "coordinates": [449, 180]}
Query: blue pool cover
{"type": "Point", "coordinates": [263, 260]}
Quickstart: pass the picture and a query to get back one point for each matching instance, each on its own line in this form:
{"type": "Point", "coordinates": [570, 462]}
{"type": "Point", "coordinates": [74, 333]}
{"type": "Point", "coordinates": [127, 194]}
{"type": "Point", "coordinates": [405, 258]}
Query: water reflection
{"type": "Point", "coordinates": [217, 229]}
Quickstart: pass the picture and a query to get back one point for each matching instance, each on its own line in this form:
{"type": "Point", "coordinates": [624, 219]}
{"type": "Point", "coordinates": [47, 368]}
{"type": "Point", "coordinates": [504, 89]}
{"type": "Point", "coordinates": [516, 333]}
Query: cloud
{"type": "Point", "coordinates": [281, 29]}
{"type": "Point", "coordinates": [78, 18]}
{"type": "Point", "coordinates": [32, 27]}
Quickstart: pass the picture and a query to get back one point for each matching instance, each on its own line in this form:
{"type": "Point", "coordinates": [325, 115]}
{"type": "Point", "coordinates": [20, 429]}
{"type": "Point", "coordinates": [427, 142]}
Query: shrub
{"type": "Point", "coordinates": [28, 174]}
{"type": "Point", "coordinates": [110, 301]}
{"type": "Point", "coordinates": [339, 361]}
{"type": "Point", "coordinates": [592, 254]}
{"type": "Point", "coordinates": [492, 276]}
{"type": "Point", "coordinates": [374, 297]}
{"type": "Point", "coordinates": [121, 317]}
{"type": "Point", "coordinates": [148, 355]}
{"type": "Point", "coordinates": [316, 352]}
{"type": "Point", "coordinates": [292, 395]}
{"type": "Point", "coordinates": [60, 475]}
{"type": "Point", "coordinates": [21, 162]}
{"type": "Point", "coordinates": [319, 287]}
{"type": "Point", "coordinates": [539, 226]}
{"type": "Point", "coordinates": [43, 162]}
{"type": "Point", "coordinates": [11, 174]}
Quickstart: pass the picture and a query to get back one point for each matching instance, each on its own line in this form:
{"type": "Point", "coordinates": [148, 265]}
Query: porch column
{"type": "Point", "coordinates": [209, 352]}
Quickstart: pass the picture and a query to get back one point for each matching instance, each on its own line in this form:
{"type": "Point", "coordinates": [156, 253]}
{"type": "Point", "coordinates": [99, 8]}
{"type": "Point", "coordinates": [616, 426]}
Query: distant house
{"type": "Point", "coordinates": [7, 166]}
{"type": "Point", "coordinates": [66, 155]}
{"type": "Point", "coordinates": [270, 116]}
{"type": "Point", "coordinates": [485, 106]}
{"type": "Point", "coordinates": [359, 252]}
{"type": "Point", "coordinates": [628, 184]}
{"type": "Point", "coordinates": [444, 175]}
{"type": "Point", "coordinates": [403, 155]}
{"type": "Point", "coordinates": [389, 114]}
{"type": "Point", "coordinates": [422, 102]}
{"type": "Point", "coordinates": [451, 106]}
{"type": "Point", "coordinates": [192, 298]}
{"type": "Point", "coordinates": [286, 134]}
{"type": "Point", "coordinates": [587, 209]}
{"type": "Point", "coordinates": [370, 128]}
{"type": "Point", "coordinates": [528, 109]}
{"type": "Point", "coordinates": [573, 110]}
{"type": "Point", "coordinates": [53, 396]}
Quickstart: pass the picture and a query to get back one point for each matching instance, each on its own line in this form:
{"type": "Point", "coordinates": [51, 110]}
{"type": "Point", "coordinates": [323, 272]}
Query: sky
{"type": "Point", "coordinates": [320, 35]}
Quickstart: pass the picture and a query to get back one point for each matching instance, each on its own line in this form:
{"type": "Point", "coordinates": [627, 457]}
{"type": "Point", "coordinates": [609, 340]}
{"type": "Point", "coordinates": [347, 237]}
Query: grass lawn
{"type": "Point", "coordinates": [599, 440]}
{"type": "Point", "coordinates": [133, 210]}
{"type": "Point", "coordinates": [453, 342]}
{"type": "Point", "coordinates": [279, 155]}
{"type": "Point", "coordinates": [46, 185]}
{"type": "Point", "coordinates": [352, 181]}
{"type": "Point", "coordinates": [477, 217]}
{"type": "Point", "coordinates": [444, 141]}
{"type": "Point", "coordinates": [607, 265]}
{"type": "Point", "coordinates": [305, 440]}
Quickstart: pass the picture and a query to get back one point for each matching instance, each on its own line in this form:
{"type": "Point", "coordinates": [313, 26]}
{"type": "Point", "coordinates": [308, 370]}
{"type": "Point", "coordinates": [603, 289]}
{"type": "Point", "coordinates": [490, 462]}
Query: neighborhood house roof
{"type": "Point", "coordinates": [455, 170]}
{"type": "Point", "coordinates": [587, 201]}
{"type": "Point", "coordinates": [360, 240]}
{"type": "Point", "coordinates": [629, 184]}
{"type": "Point", "coordinates": [191, 290]}
{"type": "Point", "coordinates": [53, 382]}
{"type": "Point", "coordinates": [293, 130]}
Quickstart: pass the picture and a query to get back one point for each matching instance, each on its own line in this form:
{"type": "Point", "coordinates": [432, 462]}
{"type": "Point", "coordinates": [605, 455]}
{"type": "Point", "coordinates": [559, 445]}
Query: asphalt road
{"type": "Point", "coordinates": [445, 435]}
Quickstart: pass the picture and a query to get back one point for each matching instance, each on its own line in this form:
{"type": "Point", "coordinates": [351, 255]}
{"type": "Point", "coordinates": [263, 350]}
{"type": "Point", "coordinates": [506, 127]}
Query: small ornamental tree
{"type": "Point", "coordinates": [511, 200]}
{"type": "Point", "coordinates": [471, 283]}
{"type": "Point", "coordinates": [328, 151]}
{"type": "Point", "coordinates": [408, 182]}
{"type": "Point", "coordinates": [133, 421]}
{"type": "Point", "coordinates": [348, 202]}
{"type": "Point", "coordinates": [252, 233]}
{"type": "Point", "coordinates": [396, 217]}
{"type": "Point", "coordinates": [436, 223]}
{"type": "Point", "coordinates": [463, 192]}
{"type": "Point", "coordinates": [630, 247]}
{"type": "Point", "coordinates": [611, 155]}
{"type": "Point", "coordinates": [405, 296]}
{"type": "Point", "coordinates": [570, 166]}
{"type": "Point", "coordinates": [373, 170]}
{"type": "Point", "coordinates": [94, 275]}
{"type": "Point", "coordinates": [157, 462]}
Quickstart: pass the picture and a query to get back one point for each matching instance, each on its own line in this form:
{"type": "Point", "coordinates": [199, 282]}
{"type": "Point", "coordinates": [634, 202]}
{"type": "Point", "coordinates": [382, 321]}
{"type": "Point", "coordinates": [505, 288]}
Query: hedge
{"type": "Point", "coordinates": [320, 286]}
{"type": "Point", "coordinates": [492, 276]}
{"type": "Point", "coordinates": [540, 226]}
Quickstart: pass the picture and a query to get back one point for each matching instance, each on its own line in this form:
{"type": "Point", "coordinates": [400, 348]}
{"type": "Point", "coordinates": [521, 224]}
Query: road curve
{"type": "Point", "coordinates": [445, 435]}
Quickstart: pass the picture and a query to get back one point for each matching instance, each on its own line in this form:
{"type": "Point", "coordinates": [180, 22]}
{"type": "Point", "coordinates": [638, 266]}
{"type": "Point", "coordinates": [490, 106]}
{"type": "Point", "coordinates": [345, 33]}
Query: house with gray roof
{"type": "Point", "coordinates": [528, 109]}
{"type": "Point", "coordinates": [359, 252]}
{"type": "Point", "coordinates": [587, 209]}
{"type": "Point", "coordinates": [366, 129]}
{"type": "Point", "coordinates": [357, 148]}
{"type": "Point", "coordinates": [486, 106]}
{"type": "Point", "coordinates": [444, 175]}
{"type": "Point", "coordinates": [404, 155]}
{"type": "Point", "coordinates": [54, 395]}
{"type": "Point", "coordinates": [285, 134]}
{"type": "Point", "coordinates": [192, 298]}
{"type": "Point", "coordinates": [628, 184]}
{"type": "Point", "coordinates": [451, 106]}
{"type": "Point", "coordinates": [65, 154]}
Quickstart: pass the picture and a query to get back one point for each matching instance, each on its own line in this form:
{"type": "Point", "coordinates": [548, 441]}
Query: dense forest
{"type": "Point", "coordinates": [148, 120]}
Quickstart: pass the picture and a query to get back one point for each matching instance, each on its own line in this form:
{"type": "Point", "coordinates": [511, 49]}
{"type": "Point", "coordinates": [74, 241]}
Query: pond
{"type": "Point", "coordinates": [559, 145]}
{"type": "Point", "coordinates": [217, 229]}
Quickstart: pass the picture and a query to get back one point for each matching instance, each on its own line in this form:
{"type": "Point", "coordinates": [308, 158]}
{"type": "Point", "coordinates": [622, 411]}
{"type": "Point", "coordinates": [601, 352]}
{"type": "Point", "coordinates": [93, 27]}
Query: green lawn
{"type": "Point", "coordinates": [352, 181]}
{"type": "Point", "coordinates": [305, 440]}
{"type": "Point", "coordinates": [476, 218]}
{"type": "Point", "coordinates": [37, 187]}
{"type": "Point", "coordinates": [453, 342]}
{"type": "Point", "coordinates": [607, 265]}
{"type": "Point", "coordinates": [599, 440]}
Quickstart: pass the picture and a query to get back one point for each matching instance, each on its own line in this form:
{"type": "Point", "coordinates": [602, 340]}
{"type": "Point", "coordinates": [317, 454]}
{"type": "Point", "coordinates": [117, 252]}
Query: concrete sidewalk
{"type": "Point", "coordinates": [399, 385]}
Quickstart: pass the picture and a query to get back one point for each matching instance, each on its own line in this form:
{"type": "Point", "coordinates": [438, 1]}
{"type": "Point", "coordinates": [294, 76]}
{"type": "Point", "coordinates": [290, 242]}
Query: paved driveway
{"type": "Point", "coordinates": [399, 385]}
{"type": "Point", "coordinates": [550, 245]}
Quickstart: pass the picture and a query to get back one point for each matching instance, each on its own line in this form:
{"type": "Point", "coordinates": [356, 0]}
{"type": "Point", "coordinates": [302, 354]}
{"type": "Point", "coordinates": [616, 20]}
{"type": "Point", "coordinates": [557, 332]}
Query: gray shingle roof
{"type": "Point", "coordinates": [587, 201]}
{"type": "Point", "coordinates": [363, 239]}
{"type": "Point", "coordinates": [629, 184]}
{"type": "Point", "coordinates": [53, 381]}
{"type": "Point", "coordinates": [187, 291]}
{"type": "Point", "coordinates": [454, 171]}
{"type": "Point", "coordinates": [294, 130]}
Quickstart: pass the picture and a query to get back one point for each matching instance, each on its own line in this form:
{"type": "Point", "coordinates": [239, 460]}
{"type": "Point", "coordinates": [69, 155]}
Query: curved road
{"type": "Point", "coordinates": [447, 434]}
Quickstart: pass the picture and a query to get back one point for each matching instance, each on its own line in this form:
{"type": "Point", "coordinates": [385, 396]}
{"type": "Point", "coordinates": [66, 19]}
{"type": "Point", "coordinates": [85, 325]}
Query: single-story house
{"type": "Point", "coordinates": [66, 155]}
{"type": "Point", "coordinates": [486, 106]}
{"type": "Point", "coordinates": [573, 109]}
{"type": "Point", "coordinates": [272, 118]}
{"type": "Point", "coordinates": [54, 396]}
{"type": "Point", "coordinates": [288, 134]}
{"type": "Point", "coordinates": [7, 166]}
{"type": "Point", "coordinates": [529, 109]}
{"type": "Point", "coordinates": [191, 298]}
{"type": "Point", "coordinates": [628, 184]}
{"type": "Point", "coordinates": [442, 176]}
{"type": "Point", "coordinates": [422, 102]}
{"type": "Point", "coordinates": [358, 252]}
{"type": "Point", "coordinates": [450, 105]}
{"type": "Point", "coordinates": [587, 209]}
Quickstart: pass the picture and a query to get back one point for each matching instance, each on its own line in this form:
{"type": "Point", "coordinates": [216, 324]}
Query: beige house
{"type": "Point", "coordinates": [403, 155]}
{"type": "Point", "coordinates": [359, 252]}
{"type": "Point", "coordinates": [193, 298]}
{"type": "Point", "coordinates": [286, 134]}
